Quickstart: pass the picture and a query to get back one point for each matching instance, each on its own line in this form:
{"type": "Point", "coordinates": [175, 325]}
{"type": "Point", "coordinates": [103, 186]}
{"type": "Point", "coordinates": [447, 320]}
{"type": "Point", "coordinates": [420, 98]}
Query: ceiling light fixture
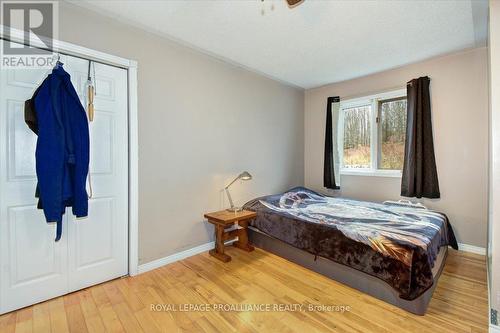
{"type": "Point", "coordinates": [290, 3]}
{"type": "Point", "coordinates": [294, 3]}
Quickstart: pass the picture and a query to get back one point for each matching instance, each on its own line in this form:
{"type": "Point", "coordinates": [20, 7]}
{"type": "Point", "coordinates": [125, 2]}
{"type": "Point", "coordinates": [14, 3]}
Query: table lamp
{"type": "Point", "coordinates": [243, 176]}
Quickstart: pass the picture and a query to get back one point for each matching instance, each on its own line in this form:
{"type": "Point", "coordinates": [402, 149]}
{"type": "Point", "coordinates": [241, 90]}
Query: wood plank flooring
{"type": "Point", "coordinates": [459, 304]}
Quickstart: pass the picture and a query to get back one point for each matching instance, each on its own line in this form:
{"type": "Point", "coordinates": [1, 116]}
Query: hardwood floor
{"type": "Point", "coordinates": [459, 304]}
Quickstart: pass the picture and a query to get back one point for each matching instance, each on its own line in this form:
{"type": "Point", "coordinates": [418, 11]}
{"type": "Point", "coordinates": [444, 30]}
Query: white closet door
{"type": "Point", "coordinates": [98, 244]}
{"type": "Point", "coordinates": [33, 267]}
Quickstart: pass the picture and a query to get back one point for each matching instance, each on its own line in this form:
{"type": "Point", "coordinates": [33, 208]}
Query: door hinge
{"type": "Point", "coordinates": [494, 317]}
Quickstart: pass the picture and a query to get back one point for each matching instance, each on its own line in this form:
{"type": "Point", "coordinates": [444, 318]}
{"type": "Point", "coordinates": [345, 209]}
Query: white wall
{"type": "Point", "coordinates": [459, 102]}
{"type": "Point", "coordinates": [494, 216]}
{"type": "Point", "coordinates": [201, 122]}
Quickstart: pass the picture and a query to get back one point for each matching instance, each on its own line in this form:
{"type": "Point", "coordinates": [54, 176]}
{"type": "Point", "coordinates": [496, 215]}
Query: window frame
{"type": "Point", "coordinates": [375, 148]}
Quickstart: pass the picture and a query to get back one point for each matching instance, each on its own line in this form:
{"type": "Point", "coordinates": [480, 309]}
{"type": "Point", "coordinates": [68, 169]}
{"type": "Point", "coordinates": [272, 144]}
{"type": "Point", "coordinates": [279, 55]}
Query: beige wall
{"type": "Point", "coordinates": [459, 93]}
{"type": "Point", "coordinates": [201, 122]}
{"type": "Point", "coordinates": [494, 216]}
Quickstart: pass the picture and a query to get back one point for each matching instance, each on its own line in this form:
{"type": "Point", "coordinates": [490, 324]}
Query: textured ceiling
{"type": "Point", "coordinates": [316, 43]}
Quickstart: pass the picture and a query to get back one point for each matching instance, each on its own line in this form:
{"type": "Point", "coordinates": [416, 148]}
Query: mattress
{"type": "Point", "coordinates": [396, 244]}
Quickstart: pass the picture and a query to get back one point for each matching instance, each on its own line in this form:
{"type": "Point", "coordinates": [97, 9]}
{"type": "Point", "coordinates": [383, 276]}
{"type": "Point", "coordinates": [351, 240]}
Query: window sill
{"type": "Point", "coordinates": [372, 173]}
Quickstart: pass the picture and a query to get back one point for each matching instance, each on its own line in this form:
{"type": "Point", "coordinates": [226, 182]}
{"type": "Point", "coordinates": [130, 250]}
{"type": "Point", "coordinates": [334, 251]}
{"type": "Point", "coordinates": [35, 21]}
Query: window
{"type": "Point", "coordinates": [372, 131]}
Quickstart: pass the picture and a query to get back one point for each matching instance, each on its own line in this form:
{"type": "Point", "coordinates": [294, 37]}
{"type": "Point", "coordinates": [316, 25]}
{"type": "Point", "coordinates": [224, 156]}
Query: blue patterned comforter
{"type": "Point", "coordinates": [395, 243]}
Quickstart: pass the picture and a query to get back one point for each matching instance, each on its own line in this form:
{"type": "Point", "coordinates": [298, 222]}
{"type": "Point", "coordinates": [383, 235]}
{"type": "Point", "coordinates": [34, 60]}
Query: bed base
{"type": "Point", "coordinates": [349, 276]}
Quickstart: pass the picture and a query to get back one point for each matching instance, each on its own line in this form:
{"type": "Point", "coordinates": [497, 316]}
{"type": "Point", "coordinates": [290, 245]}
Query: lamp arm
{"type": "Point", "coordinates": [229, 196]}
{"type": "Point", "coordinates": [244, 175]}
{"type": "Point", "coordinates": [231, 183]}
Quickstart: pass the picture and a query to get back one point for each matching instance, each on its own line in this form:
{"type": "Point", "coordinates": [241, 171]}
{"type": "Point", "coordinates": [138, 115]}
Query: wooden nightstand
{"type": "Point", "coordinates": [223, 220]}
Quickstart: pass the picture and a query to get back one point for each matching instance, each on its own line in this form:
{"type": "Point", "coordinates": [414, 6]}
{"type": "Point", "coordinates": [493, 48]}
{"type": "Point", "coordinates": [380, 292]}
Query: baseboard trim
{"type": "Point", "coordinates": [175, 257]}
{"type": "Point", "coordinates": [149, 266]}
{"type": "Point", "coordinates": [472, 248]}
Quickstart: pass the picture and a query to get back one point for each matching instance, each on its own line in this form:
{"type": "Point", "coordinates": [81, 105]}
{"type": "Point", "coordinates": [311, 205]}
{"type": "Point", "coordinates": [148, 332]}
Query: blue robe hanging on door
{"type": "Point", "coordinates": [62, 149]}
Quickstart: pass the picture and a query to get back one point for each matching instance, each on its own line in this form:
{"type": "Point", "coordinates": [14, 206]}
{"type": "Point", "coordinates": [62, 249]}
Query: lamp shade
{"type": "Point", "coordinates": [245, 176]}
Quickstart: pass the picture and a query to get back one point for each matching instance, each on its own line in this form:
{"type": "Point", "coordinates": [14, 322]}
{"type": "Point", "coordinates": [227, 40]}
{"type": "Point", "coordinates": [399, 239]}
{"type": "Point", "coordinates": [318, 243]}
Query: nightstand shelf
{"type": "Point", "coordinates": [223, 222]}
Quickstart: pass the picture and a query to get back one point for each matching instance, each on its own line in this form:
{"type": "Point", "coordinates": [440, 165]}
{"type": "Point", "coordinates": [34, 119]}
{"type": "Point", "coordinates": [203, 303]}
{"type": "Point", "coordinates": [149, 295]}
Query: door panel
{"type": "Point", "coordinates": [102, 233]}
{"type": "Point", "coordinates": [98, 249]}
{"type": "Point", "coordinates": [101, 161]}
{"type": "Point", "coordinates": [93, 249]}
{"type": "Point", "coordinates": [24, 78]}
{"type": "Point", "coordinates": [36, 267]}
{"type": "Point", "coordinates": [30, 261]}
{"type": "Point", "coordinates": [22, 144]}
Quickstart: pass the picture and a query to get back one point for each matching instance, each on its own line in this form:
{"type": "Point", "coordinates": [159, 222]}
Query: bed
{"type": "Point", "coordinates": [391, 251]}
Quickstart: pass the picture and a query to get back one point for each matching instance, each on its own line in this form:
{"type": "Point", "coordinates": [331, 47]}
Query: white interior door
{"type": "Point", "coordinates": [33, 267]}
{"type": "Point", "coordinates": [98, 244]}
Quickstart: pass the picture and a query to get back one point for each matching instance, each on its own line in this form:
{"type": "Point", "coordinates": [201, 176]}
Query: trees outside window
{"type": "Point", "coordinates": [357, 128]}
{"type": "Point", "coordinates": [392, 131]}
{"type": "Point", "coordinates": [372, 132]}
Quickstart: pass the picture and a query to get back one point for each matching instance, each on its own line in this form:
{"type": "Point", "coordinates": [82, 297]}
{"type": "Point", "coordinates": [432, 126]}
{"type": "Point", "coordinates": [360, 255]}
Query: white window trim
{"type": "Point", "coordinates": [371, 172]}
{"type": "Point", "coordinates": [373, 101]}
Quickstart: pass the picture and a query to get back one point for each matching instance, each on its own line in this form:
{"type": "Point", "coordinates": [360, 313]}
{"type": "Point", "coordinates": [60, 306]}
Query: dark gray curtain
{"type": "Point", "coordinates": [419, 171]}
{"type": "Point", "coordinates": [329, 164]}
